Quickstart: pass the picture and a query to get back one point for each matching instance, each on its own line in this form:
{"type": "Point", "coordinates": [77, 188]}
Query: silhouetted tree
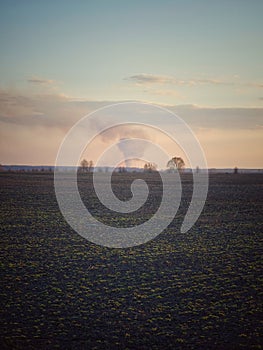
{"type": "Point", "coordinates": [122, 169]}
{"type": "Point", "coordinates": [84, 164]}
{"type": "Point", "coordinates": [149, 167]}
{"type": "Point", "coordinates": [176, 162]}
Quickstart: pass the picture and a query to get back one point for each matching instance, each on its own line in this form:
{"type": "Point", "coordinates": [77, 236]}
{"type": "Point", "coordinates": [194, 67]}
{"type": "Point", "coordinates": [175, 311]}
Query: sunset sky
{"type": "Point", "coordinates": [59, 60]}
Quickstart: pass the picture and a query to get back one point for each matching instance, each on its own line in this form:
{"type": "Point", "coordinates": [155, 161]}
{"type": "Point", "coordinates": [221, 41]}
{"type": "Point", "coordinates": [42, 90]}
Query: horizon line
{"type": "Point", "coordinates": [135, 167]}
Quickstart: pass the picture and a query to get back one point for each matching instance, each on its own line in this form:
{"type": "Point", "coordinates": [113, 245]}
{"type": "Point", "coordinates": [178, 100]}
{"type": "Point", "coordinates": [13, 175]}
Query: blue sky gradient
{"type": "Point", "coordinates": [202, 53]}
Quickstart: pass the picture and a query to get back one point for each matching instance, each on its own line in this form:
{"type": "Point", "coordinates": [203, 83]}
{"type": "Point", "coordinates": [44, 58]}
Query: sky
{"type": "Point", "coordinates": [60, 60]}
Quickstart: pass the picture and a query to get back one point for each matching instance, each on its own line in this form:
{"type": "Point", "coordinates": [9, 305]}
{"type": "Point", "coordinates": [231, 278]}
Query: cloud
{"type": "Point", "coordinates": [233, 118]}
{"type": "Point", "coordinates": [47, 110]}
{"type": "Point", "coordinates": [146, 79]}
{"type": "Point", "coordinates": [257, 85]}
{"type": "Point", "coordinates": [39, 122]}
{"type": "Point", "coordinates": [40, 81]}
{"type": "Point", "coordinates": [61, 111]}
{"type": "Point", "coordinates": [153, 79]}
{"type": "Point", "coordinates": [32, 126]}
{"type": "Point", "coordinates": [149, 79]}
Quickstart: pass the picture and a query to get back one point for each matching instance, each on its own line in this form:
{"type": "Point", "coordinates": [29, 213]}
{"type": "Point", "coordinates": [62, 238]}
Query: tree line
{"type": "Point", "coordinates": [87, 166]}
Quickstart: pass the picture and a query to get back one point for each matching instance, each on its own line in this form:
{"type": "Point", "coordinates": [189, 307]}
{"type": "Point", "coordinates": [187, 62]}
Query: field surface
{"type": "Point", "coordinates": [199, 290]}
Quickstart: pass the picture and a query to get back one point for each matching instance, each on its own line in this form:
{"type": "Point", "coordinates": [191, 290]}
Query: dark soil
{"type": "Point", "coordinates": [199, 290]}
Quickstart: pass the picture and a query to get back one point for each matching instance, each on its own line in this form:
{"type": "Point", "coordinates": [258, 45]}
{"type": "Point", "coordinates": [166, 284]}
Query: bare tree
{"type": "Point", "coordinates": [176, 162]}
{"type": "Point", "coordinates": [122, 169]}
{"type": "Point", "coordinates": [84, 164]}
{"type": "Point", "coordinates": [149, 167]}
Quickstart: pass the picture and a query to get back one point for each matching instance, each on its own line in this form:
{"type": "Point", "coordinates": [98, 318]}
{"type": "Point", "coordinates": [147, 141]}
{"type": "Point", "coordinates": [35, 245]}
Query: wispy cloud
{"type": "Point", "coordinates": [257, 85]}
{"type": "Point", "coordinates": [149, 79]}
{"type": "Point", "coordinates": [40, 121]}
{"type": "Point", "coordinates": [146, 79]}
{"type": "Point", "coordinates": [40, 81]}
{"type": "Point", "coordinates": [153, 79]}
{"type": "Point", "coordinates": [48, 110]}
{"type": "Point", "coordinates": [233, 118]}
{"type": "Point", "coordinates": [58, 110]}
